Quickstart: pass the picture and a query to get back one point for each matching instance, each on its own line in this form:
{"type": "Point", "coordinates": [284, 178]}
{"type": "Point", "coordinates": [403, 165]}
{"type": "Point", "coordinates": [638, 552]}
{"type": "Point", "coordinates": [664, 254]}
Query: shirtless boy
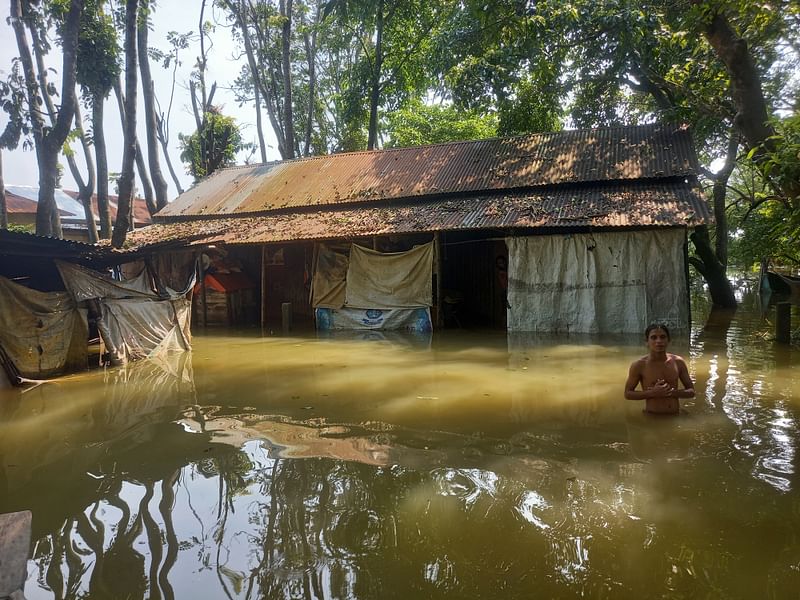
{"type": "Point", "coordinates": [658, 373]}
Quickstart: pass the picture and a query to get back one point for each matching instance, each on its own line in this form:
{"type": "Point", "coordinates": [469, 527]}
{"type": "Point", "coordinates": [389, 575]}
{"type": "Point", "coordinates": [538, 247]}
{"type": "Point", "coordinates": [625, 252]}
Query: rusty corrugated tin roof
{"type": "Point", "coordinates": [619, 205]}
{"type": "Point", "coordinates": [141, 215]}
{"type": "Point", "coordinates": [580, 156]}
{"type": "Point", "coordinates": [16, 204]}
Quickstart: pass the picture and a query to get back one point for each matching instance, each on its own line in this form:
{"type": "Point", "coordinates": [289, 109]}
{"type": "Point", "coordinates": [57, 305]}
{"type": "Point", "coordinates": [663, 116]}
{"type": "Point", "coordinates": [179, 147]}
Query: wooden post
{"type": "Point", "coordinates": [263, 289]}
{"type": "Point", "coordinates": [437, 251]}
{"type": "Point", "coordinates": [783, 322]}
{"type": "Point", "coordinates": [205, 300]}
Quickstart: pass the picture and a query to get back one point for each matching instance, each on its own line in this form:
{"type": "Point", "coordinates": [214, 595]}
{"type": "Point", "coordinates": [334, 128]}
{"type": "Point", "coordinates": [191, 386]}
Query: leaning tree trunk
{"type": "Point", "coordinates": [150, 120]}
{"type": "Point", "coordinates": [85, 190]}
{"type": "Point", "coordinates": [125, 198]}
{"type": "Point", "coordinates": [712, 270]}
{"type": "Point", "coordinates": [752, 113]}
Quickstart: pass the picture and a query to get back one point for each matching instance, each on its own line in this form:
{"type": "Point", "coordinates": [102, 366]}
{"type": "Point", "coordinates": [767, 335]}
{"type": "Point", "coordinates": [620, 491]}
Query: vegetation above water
{"type": "Point", "coordinates": [342, 75]}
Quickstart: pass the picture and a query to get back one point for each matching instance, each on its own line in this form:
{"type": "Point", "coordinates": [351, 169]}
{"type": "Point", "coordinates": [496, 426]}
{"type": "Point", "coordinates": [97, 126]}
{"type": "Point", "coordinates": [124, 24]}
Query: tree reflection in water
{"type": "Point", "coordinates": [158, 490]}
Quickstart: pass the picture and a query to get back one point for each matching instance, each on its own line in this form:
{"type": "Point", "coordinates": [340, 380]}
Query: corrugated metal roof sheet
{"type": "Point", "coordinates": [17, 243]}
{"type": "Point", "coordinates": [141, 215]}
{"type": "Point", "coordinates": [621, 205]}
{"type": "Point", "coordinates": [580, 156]}
{"type": "Point", "coordinates": [16, 204]}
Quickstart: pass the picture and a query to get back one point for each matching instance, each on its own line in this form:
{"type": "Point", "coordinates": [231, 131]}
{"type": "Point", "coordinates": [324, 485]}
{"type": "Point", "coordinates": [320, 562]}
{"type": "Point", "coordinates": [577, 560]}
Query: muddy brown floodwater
{"type": "Point", "coordinates": [464, 466]}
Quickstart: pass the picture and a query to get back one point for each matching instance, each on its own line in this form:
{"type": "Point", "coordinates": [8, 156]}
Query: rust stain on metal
{"type": "Point", "coordinates": [580, 156]}
{"type": "Point", "coordinates": [621, 205]}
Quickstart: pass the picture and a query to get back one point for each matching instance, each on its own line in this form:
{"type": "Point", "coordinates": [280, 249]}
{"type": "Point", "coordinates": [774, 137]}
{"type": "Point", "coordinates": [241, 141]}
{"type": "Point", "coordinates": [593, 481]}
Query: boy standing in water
{"type": "Point", "coordinates": [658, 372]}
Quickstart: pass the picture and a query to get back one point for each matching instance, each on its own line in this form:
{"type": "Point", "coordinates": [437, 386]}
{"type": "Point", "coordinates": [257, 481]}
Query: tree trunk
{"type": "Point", "coordinates": [752, 114]}
{"type": "Point", "coordinates": [712, 270]}
{"type": "Point", "coordinates": [286, 59]}
{"type": "Point", "coordinates": [375, 91]}
{"type": "Point", "coordinates": [125, 199]}
{"type": "Point", "coordinates": [720, 193]}
{"type": "Point", "coordinates": [48, 221]}
{"type": "Point", "coordinates": [48, 145]}
{"type": "Point", "coordinates": [311, 54]}
{"type": "Point", "coordinates": [141, 167]}
{"type": "Point", "coordinates": [264, 89]}
{"type": "Point", "coordinates": [259, 127]}
{"type": "Point", "coordinates": [151, 127]}
{"type": "Point", "coordinates": [163, 128]}
{"type": "Point", "coordinates": [102, 166]}
{"type": "Point", "coordinates": [165, 149]}
{"type": "Point", "coordinates": [3, 206]}
{"type": "Point", "coordinates": [748, 96]}
{"type": "Point", "coordinates": [85, 190]}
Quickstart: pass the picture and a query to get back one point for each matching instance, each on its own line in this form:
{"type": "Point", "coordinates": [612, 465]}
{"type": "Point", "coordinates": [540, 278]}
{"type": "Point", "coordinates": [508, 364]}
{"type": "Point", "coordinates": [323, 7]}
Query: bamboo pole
{"type": "Point", "coordinates": [437, 248]}
{"type": "Point", "coordinates": [263, 289]}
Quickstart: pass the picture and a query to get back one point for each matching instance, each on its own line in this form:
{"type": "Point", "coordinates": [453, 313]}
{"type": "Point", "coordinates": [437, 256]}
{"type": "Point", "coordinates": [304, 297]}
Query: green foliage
{"type": "Point", "coordinates": [503, 57]}
{"type": "Point", "coordinates": [98, 65]}
{"type": "Point", "coordinates": [98, 58]}
{"type": "Point", "coordinates": [16, 227]}
{"type": "Point", "coordinates": [779, 158]}
{"type": "Point", "coordinates": [14, 103]}
{"type": "Point", "coordinates": [214, 146]}
{"type": "Point", "coordinates": [417, 124]}
{"type": "Point", "coordinates": [771, 230]}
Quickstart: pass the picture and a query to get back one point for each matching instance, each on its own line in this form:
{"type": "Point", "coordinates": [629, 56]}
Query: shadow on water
{"type": "Point", "coordinates": [462, 465]}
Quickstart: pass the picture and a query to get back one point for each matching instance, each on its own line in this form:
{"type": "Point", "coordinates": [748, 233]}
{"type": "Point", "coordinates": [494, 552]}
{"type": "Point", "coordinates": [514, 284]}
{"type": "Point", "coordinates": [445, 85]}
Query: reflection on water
{"type": "Point", "coordinates": [454, 467]}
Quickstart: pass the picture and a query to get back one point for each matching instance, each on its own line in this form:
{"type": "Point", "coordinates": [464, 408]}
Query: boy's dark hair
{"type": "Point", "coordinates": [653, 326]}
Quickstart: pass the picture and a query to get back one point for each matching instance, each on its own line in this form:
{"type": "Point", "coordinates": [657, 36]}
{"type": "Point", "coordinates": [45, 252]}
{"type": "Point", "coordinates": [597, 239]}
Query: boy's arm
{"type": "Point", "coordinates": [688, 384]}
{"type": "Point", "coordinates": [634, 377]}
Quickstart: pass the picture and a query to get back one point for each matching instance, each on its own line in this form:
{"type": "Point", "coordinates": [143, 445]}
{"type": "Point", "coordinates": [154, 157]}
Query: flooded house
{"type": "Point", "coordinates": [573, 231]}
{"type": "Point", "coordinates": [56, 295]}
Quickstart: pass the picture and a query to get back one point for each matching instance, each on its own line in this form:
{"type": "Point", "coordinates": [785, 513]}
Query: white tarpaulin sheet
{"type": "Point", "coordinates": [134, 321]}
{"type": "Point", "coordinates": [390, 280]}
{"type": "Point", "coordinates": [597, 282]}
{"type": "Point", "coordinates": [85, 284]}
{"type": "Point", "coordinates": [41, 333]}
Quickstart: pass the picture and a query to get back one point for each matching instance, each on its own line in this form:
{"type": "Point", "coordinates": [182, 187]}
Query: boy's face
{"type": "Point", "coordinates": [657, 340]}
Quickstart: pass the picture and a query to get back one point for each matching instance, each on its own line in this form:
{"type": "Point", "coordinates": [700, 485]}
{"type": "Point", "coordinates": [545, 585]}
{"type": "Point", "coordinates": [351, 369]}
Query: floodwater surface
{"type": "Point", "coordinates": [464, 466]}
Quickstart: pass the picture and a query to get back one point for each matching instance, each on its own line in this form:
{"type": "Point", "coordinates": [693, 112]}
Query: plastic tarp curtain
{"type": "Point", "coordinates": [330, 274]}
{"type": "Point", "coordinates": [372, 290]}
{"type": "Point", "coordinates": [597, 282]}
{"type": "Point", "coordinates": [134, 321]}
{"type": "Point", "coordinates": [41, 333]}
{"type": "Point", "coordinates": [390, 280]}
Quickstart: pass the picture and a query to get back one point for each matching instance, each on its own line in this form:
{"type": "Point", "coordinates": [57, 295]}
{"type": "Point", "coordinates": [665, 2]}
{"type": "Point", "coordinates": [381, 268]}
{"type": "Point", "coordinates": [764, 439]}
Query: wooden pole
{"type": "Point", "coordinates": [205, 300]}
{"type": "Point", "coordinates": [263, 289]}
{"type": "Point", "coordinates": [783, 322]}
{"type": "Point", "coordinates": [437, 250]}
